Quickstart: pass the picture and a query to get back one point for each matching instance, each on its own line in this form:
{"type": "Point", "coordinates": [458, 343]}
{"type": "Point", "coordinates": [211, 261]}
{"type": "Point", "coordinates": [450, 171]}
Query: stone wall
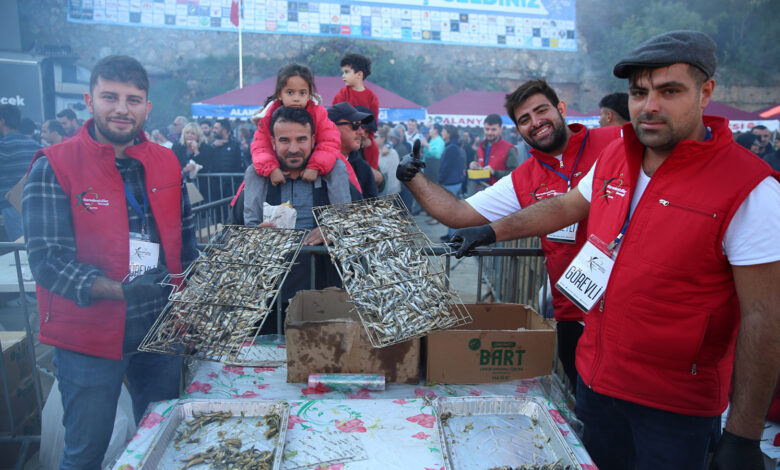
{"type": "Point", "coordinates": [45, 27]}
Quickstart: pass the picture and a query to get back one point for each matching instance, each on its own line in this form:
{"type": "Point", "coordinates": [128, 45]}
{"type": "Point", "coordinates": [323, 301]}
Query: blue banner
{"type": "Point", "coordinates": [523, 24]}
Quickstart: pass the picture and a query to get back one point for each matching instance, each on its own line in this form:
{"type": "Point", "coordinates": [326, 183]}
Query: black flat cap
{"type": "Point", "coordinates": [344, 111]}
{"type": "Point", "coordinates": [690, 47]}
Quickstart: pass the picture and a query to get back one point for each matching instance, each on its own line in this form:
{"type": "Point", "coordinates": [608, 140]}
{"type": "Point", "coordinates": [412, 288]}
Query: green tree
{"type": "Point", "coordinates": [196, 81]}
{"type": "Point", "coordinates": [745, 31]}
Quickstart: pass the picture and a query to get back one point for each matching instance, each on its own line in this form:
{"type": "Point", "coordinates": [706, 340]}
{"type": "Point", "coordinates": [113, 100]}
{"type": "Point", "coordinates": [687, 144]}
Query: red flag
{"type": "Point", "coordinates": [234, 13]}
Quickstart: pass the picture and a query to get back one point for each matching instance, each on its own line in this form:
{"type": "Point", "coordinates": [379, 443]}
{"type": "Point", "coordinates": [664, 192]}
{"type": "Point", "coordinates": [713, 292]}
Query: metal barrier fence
{"type": "Point", "coordinates": [516, 279]}
{"type": "Point", "coordinates": [218, 189]}
{"type": "Point", "coordinates": [216, 186]}
{"type": "Point", "coordinates": [209, 218]}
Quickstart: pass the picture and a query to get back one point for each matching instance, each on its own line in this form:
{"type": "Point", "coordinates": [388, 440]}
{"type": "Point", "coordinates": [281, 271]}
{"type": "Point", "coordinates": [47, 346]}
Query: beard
{"type": "Point", "coordinates": [549, 143]}
{"type": "Point", "coordinates": [285, 166]}
{"type": "Point", "coordinates": [117, 137]}
{"type": "Point", "coordinates": [665, 138]}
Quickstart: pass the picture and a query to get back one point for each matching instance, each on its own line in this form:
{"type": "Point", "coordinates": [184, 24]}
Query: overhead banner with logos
{"type": "Point", "coordinates": [524, 24]}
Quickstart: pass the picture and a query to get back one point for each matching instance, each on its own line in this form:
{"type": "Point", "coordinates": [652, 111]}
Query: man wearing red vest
{"type": "Point", "coordinates": [679, 274]}
{"type": "Point", "coordinates": [495, 153]}
{"type": "Point", "coordinates": [562, 155]}
{"type": "Point", "coordinates": [106, 218]}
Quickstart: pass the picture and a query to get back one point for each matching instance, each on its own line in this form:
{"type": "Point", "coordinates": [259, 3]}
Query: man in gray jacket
{"type": "Point", "coordinates": [292, 135]}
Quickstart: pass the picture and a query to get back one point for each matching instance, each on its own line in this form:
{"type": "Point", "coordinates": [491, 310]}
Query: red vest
{"type": "Point", "coordinates": [497, 157]}
{"type": "Point", "coordinates": [664, 334]}
{"type": "Point", "coordinates": [533, 182]}
{"type": "Point", "coordinates": [86, 171]}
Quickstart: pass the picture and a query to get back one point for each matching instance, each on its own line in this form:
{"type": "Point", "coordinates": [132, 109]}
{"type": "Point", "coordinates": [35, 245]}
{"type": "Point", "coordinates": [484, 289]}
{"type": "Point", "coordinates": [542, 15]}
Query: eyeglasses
{"type": "Point", "coordinates": [355, 125]}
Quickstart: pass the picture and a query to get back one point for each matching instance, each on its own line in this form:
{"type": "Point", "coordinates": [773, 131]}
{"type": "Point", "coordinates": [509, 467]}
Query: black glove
{"type": "Point", "coordinates": [735, 452]}
{"type": "Point", "coordinates": [410, 164]}
{"type": "Point", "coordinates": [466, 239]}
{"type": "Point", "coordinates": [147, 286]}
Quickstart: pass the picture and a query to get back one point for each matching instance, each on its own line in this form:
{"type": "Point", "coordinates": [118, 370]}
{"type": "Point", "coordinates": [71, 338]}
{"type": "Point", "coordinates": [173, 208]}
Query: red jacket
{"type": "Point", "coordinates": [86, 171]}
{"type": "Point", "coordinates": [496, 159]}
{"type": "Point", "coordinates": [327, 144]}
{"type": "Point", "coordinates": [664, 334]}
{"type": "Point", "coordinates": [533, 182]}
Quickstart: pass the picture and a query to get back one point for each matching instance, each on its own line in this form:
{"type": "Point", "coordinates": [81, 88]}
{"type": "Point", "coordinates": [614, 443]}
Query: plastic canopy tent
{"type": "Point", "coordinates": [242, 103]}
{"type": "Point", "coordinates": [740, 121]}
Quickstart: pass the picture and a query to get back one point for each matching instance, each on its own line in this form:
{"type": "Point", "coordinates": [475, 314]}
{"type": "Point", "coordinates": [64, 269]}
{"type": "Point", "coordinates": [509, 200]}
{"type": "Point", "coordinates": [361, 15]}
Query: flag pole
{"type": "Point", "coordinates": [240, 52]}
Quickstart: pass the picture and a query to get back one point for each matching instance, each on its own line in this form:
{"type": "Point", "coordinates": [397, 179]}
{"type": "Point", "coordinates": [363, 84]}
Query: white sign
{"type": "Point", "coordinates": [585, 279]}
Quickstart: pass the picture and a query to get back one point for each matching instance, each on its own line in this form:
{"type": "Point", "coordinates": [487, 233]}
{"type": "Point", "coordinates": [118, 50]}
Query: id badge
{"type": "Point", "coordinates": [585, 279]}
{"type": "Point", "coordinates": [565, 235]}
{"type": "Point", "coordinates": [144, 255]}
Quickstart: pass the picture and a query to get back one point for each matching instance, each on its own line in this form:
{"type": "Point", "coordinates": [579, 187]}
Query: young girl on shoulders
{"type": "Point", "coordinates": [295, 88]}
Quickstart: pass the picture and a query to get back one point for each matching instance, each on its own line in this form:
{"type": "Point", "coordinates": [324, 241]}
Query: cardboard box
{"type": "Point", "coordinates": [16, 357]}
{"type": "Point", "coordinates": [325, 336]}
{"type": "Point", "coordinates": [505, 342]}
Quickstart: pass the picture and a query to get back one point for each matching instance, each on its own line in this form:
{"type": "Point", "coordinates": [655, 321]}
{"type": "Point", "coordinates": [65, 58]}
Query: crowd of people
{"type": "Point", "coordinates": [657, 228]}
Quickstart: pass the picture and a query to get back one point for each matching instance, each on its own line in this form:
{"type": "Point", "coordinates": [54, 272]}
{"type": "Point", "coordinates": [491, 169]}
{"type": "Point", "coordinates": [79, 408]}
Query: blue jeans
{"type": "Point", "coordinates": [623, 435]}
{"type": "Point", "coordinates": [454, 189]}
{"type": "Point", "coordinates": [12, 220]}
{"type": "Point", "coordinates": [90, 388]}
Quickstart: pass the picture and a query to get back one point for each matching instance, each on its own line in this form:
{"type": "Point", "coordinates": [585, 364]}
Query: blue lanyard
{"type": "Point", "coordinates": [137, 207]}
{"type": "Point", "coordinates": [487, 154]}
{"type": "Point", "coordinates": [614, 243]}
{"type": "Point", "coordinates": [576, 162]}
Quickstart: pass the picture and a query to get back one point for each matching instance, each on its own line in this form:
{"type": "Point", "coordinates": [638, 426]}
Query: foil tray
{"type": "Point", "coordinates": [496, 432]}
{"type": "Point", "coordinates": [162, 454]}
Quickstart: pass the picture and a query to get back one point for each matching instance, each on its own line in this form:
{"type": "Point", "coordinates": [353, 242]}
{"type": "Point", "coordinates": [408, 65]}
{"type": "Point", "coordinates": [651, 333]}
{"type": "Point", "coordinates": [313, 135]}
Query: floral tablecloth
{"type": "Point", "coordinates": [396, 427]}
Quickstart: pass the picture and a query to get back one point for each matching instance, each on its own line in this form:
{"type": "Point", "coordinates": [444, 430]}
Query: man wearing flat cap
{"type": "Point", "coordinates": [679, 275]}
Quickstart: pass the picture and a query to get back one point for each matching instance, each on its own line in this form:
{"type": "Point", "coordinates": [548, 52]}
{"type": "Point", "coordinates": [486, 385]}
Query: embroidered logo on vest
{"type": "Point", "coordinates": [609, 190]}
{"type": "Point", "coordinates": [90, 201]}
{"type": "Point", "coordinates": [543, 192]}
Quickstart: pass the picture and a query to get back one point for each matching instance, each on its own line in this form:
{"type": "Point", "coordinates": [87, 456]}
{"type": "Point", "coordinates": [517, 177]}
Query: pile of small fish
{"type": "Point", "coordinates": [398, 291]}
{"type": "Point", "coordinates": [535, 466]}
{"type": "Point", "coordinates": [227, 454]}
{"type": "Point", "coordinates": [226, 294]}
